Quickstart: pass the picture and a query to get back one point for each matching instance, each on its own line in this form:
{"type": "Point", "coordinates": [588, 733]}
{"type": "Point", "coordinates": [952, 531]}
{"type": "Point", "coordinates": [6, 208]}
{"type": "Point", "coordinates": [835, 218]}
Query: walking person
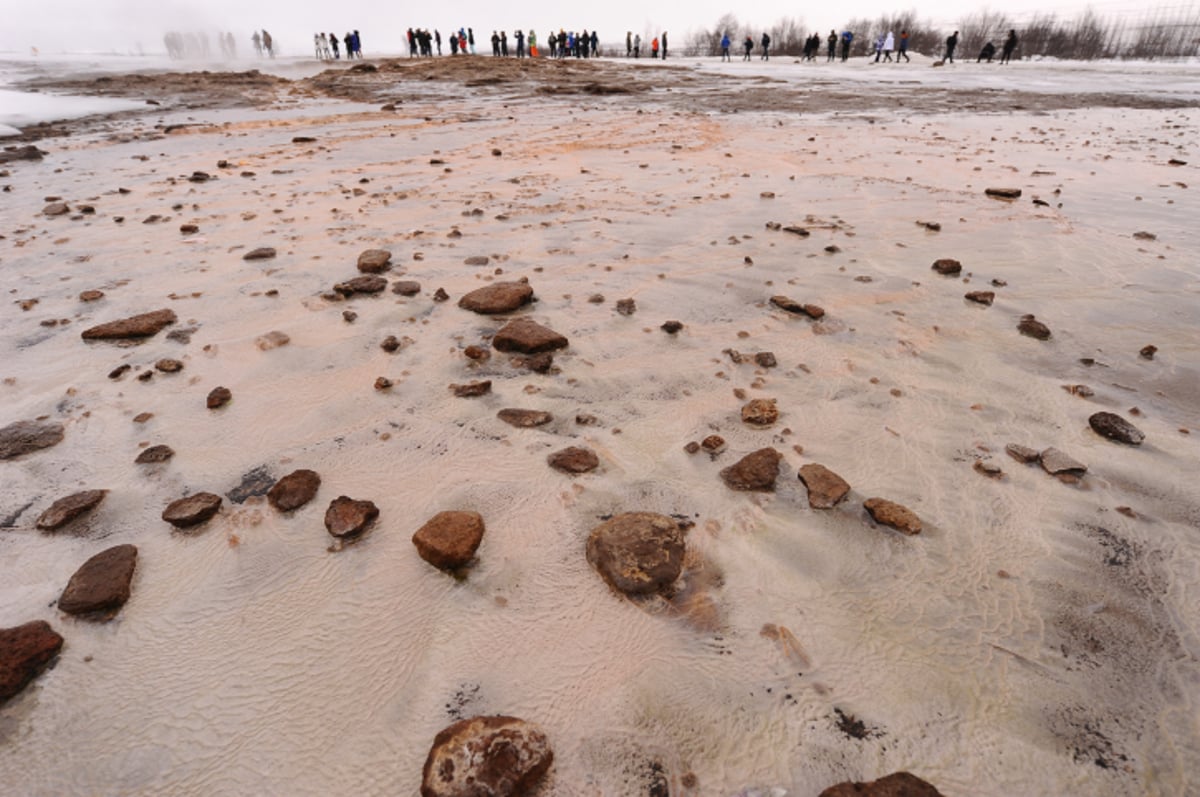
{"type": "Point", "coordinates": [637, 46]}
{"type": "Point", "coordinates": [1010, 44]}
{"type": "Point", "coordinates": [748, 45]}
{"type": "Point", "coordinates": [951, 43]}
{"type": "Point", "coordinates": [878, 47]}
{"type": "Point", "coordinates": [889, 44]}
{"type": "Point", "coordinates": [847, 40]}
{"type": "Point", "coordinates": [903, 51]}
{"type": "Point", "coordinates": [766, 46]}
{"type": "Point", "coordinates": [725, 47]}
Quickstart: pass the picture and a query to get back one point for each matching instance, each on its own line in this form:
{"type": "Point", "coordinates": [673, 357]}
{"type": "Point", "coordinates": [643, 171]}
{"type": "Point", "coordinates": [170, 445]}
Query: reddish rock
{"type": "Point", "coordinates": [1023, 453]}
{"type": "Point", "coordinates": [25, 437]}
{"type": "Point", "coordinates": [671, 327]}
{"type": "Point", "coordinates": [713, 444]}
{"type": "Point", "coordinates": [367, 283]}
{"type": "Point", "coordinates": [347, 518]}
{"type": "Point", "coordinates": [637, 553]}
{"type": "Point", "coordinates": [56, 209]}
{"type": "Point", "coordinates": [486, 757]}
{"type": "Point", "coordinates": [472, 389]}
{"type": "Point", "coordinates": [947, 266]}
{"type": "Point", "coordinates": [524, 418]}
{"type": "Point", "coordinates": [754, 472]}
{"type": "Point", "coordinates": [760, 412]}
{"type": "Point", "coordinates": [218, 397]}
{"type": "Point", "coordinates": [91, 296]}
{"type": "Point", "coordinates": [500, 297]}
{"type": "Point", "coordinates": [797, 308]}
{"type": "Point", "coordinates": [889, 513]}
{"type": "Point", "coordinates": [981, 297]}
{"type": "Point", "coordinates": [575, 459]}
{"type": "Point", "coordinates": [272, 340]}
{"type": "Point", "coordinates": [1033, 328]}
{"type": "Point", "coordinates": [294, 490]}
{"type": "Point", "coordinates": [826, 489]}
{"type": "Point", "coordinates": [898, 784]}
{"type": "Point", "coordinates": [101, 586]}
{"type": "Point", "coordinates": [406, 288]}
{"type": "Point", "coordinates": [25, 650]}
{"type": "Point", "coordinates": [448, 540]}
{"type": "Point", "coordinates": [168, 365]}
{"type": "Point", "coordinates": [374, 261]}
{"type": "Point", "coordinates": [139, 326]}
{"type": "Point", "coordinates": [1003, 193]}
{"type": "Point", "coordinates": [192, 510]}
{"type": "Point", "coordinates": [261, 253]}
{"type": "Point", "coordinates": [64, 510]}
{"type": "Point", "coordinates": [528, 337]}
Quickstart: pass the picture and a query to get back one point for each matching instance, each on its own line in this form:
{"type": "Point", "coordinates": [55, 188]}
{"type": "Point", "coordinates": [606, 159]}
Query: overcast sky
{"type": "Point", "coordinates": [124, 26]}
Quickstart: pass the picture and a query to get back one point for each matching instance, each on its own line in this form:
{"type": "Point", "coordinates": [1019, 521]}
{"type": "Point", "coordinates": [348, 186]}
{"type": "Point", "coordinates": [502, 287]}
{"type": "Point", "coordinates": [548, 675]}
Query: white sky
{"type": "Point", "coordinates": [122, 25]}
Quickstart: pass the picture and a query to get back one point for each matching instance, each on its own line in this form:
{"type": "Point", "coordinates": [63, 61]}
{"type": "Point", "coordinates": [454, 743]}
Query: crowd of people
{"type": "Point", "coordinates": [326, 47]}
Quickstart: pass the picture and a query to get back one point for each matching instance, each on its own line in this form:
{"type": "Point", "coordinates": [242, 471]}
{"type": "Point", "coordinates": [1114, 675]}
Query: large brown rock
{"type": "Point", "coordinates": [754, 472]}
{"type": "Point", "coordinates": [192, 510]}
{"type": "Point", "coordinates": [347, 518]}
{"type": "Point", "coordinates": [24, 651]}
{"type": "Point", "coordinates": [138, 326]}
{"type": "Point", "coordinates": [486, 757]}
{"type": "Point", "coordinates": [448, 540]}
{"type": "Point", "coordinates": [500, 297]}
{"type": "Point", "coordinates": [524, 418]}
{"type": "Point", "coordinates": [889, 513]}
{"type": "Point", "coordinates": [24, 437]}
{"type": "Point", "coordinates": [294, 490]}
{"type": "Point", "coordinates": [101, 586]}
{"type": "Point", "coordinates": [898, 784]}
{"type": "Point", "coordinates": [826, 489]}
{"type": "Point", "coordinates": [1114, 427]}
{"type": "Point", "coordinates": [374, 261]}
{"type": "Point", "coordinates": [575, 459]}
{"type": "Point", "coordinates": [64, 510]}
{"type": "Point", "coordinates": [637, 553]}
{"type": "Point", "coordinates": [528, 337]}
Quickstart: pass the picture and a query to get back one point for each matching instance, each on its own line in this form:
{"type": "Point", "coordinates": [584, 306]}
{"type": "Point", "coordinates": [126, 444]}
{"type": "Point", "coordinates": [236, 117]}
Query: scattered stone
{"type": "Point", "coordinates": [754, 472]}
{"type": "Point", "coordinates": [303, 140]}
{"type": "Point", "coordinates": [374, 261]}
{"type": "Point", "coordinates": [254, 482]}
{"type": "Point", "coordinates": [1056, 462]}
{"type": "Point", "coordinates": [349, 316]}
{"type": "Point", "coordinates": [539, 363]}
{"type": "Point", "coordinates": [184, 335]}
{"type": "Point", "coordinates": [713, 444]}
{"type": "Point", "coordinates": [142, 417]}
{"type": "Point", "coordinates": [477, 260]}
{"type": "Point", "coordinates": [56, 209]}
{"type": "Point", "coordinates": [760, 412]}
{"type": "Point", "coordinates": [261, 253]}
{"type": "Point", "coordinates": [219, 397]}
{"type": "Point", "coordinates": [64, 510]}
{"type": "Point", "coordinates": [947, 266]}
{"type": "Point", "coordinates": [101, 586]}
{"type": "Point", "coordinates": [932, 226]}
{"type": "Point", "coordinates": [192, 510]}
{"type": "Point", "coordinates": [1114, 427]}
{"type": "Point", "coordinates": [1176, 162]}
{"type": "Point", "coordinates": [1003, 193]}
{"type": "Point", "coordinates": [25, 650]}
{"type": "Point", "coordinates": [981, 297]}
{"type": "Point", "coordinates": [294, 490]}
{"type": "Point", "coordinates": [988, 468]}
{"type": "Point", "coordinates": [637, 553]}
{"type": "Point", "coordinates": [499, 297]}
{"type": "Point", "coordinates": [383, 383]}
{"type": "Point", "coordinates": [448, 540]}
{"type": "Point", "coordinates": [189, 229]}
{"type": "Point", "coordinates": [766, 359]}
{"type": "Point", "coordinates": [406, 288]}
{"type": "Point", "coordinates": [596, 298]}
{"type": "Point", "coordinates": [199, 177]}
{"type": "Point", "coordinates": [1148, 352]}
{"type": "Point", "coordinates": [671, 327]}
{"type": "Point", "coordinates": [347, 518]}
{"type": "Point", "coordinates": [889, 513]}
{"type": "Point", "coordinates": [790, 305]}
{"type": "Point", "coordinates": [1083, 391]}
{"type": "Point", "coordinates": [477, 353]}
{"type": "Point", "coordinates": [486, 757]}
{"type": "Point", "coordinates": [626, 306]}
{"type": "Point", "coordinates": [524, 419]}
{"type": "Point", "coordinates": [367, 283]}
{"type": "Point", "coordinates": [1023, 453]}
{"type": "Point", "coordinates": [826, 489]}
{"type": "Point", "coordinates": [440, 295]}
{"type": "Point", "coordinates": [155, 454]}
{"type": "Point", "coordinates": [796, 230]}
{"type": "Point", "coordinates": [472, 389]}
{"type": "Point", "coordinates": [390, 344]}
{"type": "Point", "coordinates": [1033, 328]}
{"type": "Point", "coordinates": [169, 366]}
{"type": "Point", "coordinates": [575, 459]}
{"type": "Point", "coordinates": [528, 337]}
{"type": "Point", "coordinates": [120, 371]}
{"type": "Point", "coordinates": [898, 784]}
{"type": "Point", "coordinates": [1145, 236]}
{"type": "Point", "coordinates": [24, 437]}
{"type": "Point", "coordinates": [91, 296]}
{"type": "Point", "coordinates": [272, 340]}
{"type": "Point", "coordinates": [139, 326]}
{"type": "Point", "coordinates": [691, 447]}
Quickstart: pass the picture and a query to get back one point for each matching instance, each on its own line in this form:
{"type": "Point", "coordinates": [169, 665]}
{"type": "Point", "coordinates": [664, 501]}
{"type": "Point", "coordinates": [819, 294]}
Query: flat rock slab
{"type": "Point", "coordinates": [347, 518]}
{"type": "Point", "coordinates": [486, 757]}
{"type": "Point", "coordinates": [64, 510]}
{"type": "Point", "coordinates": [1023, 453]}
{"type": "Point", "coordinates": [889, 513]}
{"type": "Point", "coordinates": [261, 253]}
{"type": "Point", "coordinates": [500, 297]}
{"type": "Point", "coordinates": [760, 412]}
{"type": "Point", "coordinates": [367, 283]}
{"type": "Point", "coordinates": [374, 261]}
{"type": "Point", "coordinates": [898, 784]}
{"type": "Point", "coordinates": [637, 553]}
{"type": "Point", "coordinates": [406, 288]}
{"type": "Point", "coordinates": [472, 389]}
{"type": "Point", "coordinates": [101, 586]}
{"type": "Point", "coordinates": [25, 650]}
{"type": "Point", "coordinates": [448, 540]}
{"type": "Point", "coordinates": [294, 490]}
{"type": "Point", "coordinates": [576, 459]}
{"type": "Point", "coordinates": [1003, 193]}
{"type": "Point", "coordinates": [25, 437]}
{"type": "Point", "coordinates": [272, 340]}
{"type": "Point", "coordinates": [524, 419]}
{"type": "Point", "coordinates": [1114, 427]}
{"type": "Point", "coordinates": [192, 510]}
{"type": "Point", "coordinates": [1055, 462]}
{"type": "Point", "coordinates": [528, 337]}
{"type": "Point", "coordinates": [826, 489]}
{"type": "Point", "coordinates": [754, 472]}
{"type": "Point", "coordinates": [155, 454]}
{"type": "Point", "coordinates": [139, 326]}
{"type": "Point", "coordinates": [947, 266]}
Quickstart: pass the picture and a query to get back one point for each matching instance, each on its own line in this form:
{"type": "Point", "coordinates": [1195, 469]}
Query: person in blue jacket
{"type": "Point", "coordinates": [847, 38]}
{"type": "Point", "coordinates": [725, 48]}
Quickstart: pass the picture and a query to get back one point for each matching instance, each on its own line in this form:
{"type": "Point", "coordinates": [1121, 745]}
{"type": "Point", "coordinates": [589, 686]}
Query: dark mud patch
{"type": "Point", "coordinates": [852, 727]}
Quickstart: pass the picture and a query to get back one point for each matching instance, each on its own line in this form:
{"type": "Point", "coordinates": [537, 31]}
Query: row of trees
{"type": "Point", "coordinates": [1163, 33]}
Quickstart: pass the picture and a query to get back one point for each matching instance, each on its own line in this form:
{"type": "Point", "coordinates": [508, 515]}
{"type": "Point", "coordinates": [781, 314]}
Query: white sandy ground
{"type": "Point", "coordinates": [1031, 641]}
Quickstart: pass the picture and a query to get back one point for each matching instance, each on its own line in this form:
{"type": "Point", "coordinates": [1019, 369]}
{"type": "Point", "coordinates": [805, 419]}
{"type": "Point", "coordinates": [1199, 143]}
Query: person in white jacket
{"type": "Point", "coordinates": [889, 44]}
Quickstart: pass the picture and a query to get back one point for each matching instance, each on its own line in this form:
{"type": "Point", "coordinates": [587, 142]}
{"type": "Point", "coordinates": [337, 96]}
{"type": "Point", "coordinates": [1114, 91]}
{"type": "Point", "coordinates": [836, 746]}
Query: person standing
{"type": "Point", "coordinates": [628, 44]}
{"type": "Point", "coordinates": [412, 43]}
{"type": "Point", "coordinates": [847, 40]}
{"type": "Point", "coordinates": [664, 45]}
{"type": "Point", "coordinates": [437, 39]}
{"type": "Point", "coordinates": [519, 35]}
{"type": "Point", "coordinates": [903, 51]}
{"type": "Point", "coordinates": [747, 45]}
{"type": "Point", "coordinates": [533, 51]}
{"type": "Point", "coordinates": [596, 45]}
{"type": "Point", "coordinates": [637, 45]}
{"type": "Point", "coordinates": [333, 42]}
{"type": "Point", "coordinates": [1010, 44]}
{"type": "Point", "coordinates": [470, 39]}
{"type": "Point", "coordinates": [766, 46]}
{"type": "Point", "coordinates": [357, 44]}
{"type": "Point", "coordinates": [504, 43]}
{"type": "Point", "coordinates": [654, 47]}
{"type": "Point", "coordinates": [951, 43]}
{"type": "Point", "coordinates": [495, 44]}
{"type": "Point", "coordinates": [725, 47]}
{"type": "Point", "coordinates": [832, 42]}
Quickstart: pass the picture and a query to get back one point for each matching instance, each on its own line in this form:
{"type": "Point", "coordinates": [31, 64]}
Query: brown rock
{"type": "Point", "coordinates": [294, 490]}
{"type": "Point", "coordinates": [24, 437]}
{"type": "Point", "coordinates": [91, 296]}
{"type": "Point", "coordinates": [713, 444]}
{"type": "Point", "coordinates": [406, 288]}
{"type": "Point", "coordinates": [538, 363]}
{"type": "Point", "coordinates": [367, 283]}
{"type": "Point", "coordinates": [947, 266]}
{"type": "Point", "coordinates": [1056, 462]}
{"type": "Point", "coordinates": [528, 337]}
{"type": "Point", "coordinates": [626, 306]}
{"type": "Point", "coordinates": [1023, 453]}
{"type": "Point", "coordinates": [981, 297]}
{"type": "Point", "coordinates": [760, 412]}
{"type": "Point", "coordinates": [101, 585]}
{"type": "Point", "coordinates": [25, 650]}
{"type": "Point", "coordinates": [765, 359]}
{"type": "Point", "coordinates": [575, 459]}
{"type": "Point", "coordinates": [64, 510]}
{"type": "Point", "coordinates": [671, 327]}
{"type": "Point", "coordinates": [56, 209]}
{"type": "Point", "coordinates": [347, 518]}
{"type": "Point", "coordinates": [440, 295]}
{"type": "Point", "coordinates": [898, 784]}
{"type": "Point", "coordinates": [988, 468]}
{"type": "Point", "coordinates": [477, 260]}
{"type": "Point", "coordinates": [754, 472]}
{"type": "Point", "coordinates": [189, 229]}
{"type": "Point", "coordinates": [272, 340]}
{"type": "Point", "coordinates": [486, 757]}
{"type": "Point", "coordinates": [219, 397]}
{"type": "Point", "coordinates": [138, 326]}
{"type": "Point", "coordinates": [1114, 427]}
{"type": "Point", "coordinates": [374, 261]}
{"type": "Point", "coordinates": [390, 344]}
{"type": "Point", "coordinates": [524, 418]}
{"type": "Point", "coordinates": [472, 389]}
{"type": "Point", "coordinates": [499, 297]}
{"type": "Point", "coordinates": [192, 510]}
{"type": "Point", "coordinates": [826, 489]}
{"type": "Point", "coordinates": [169, 366]}
{"type": "Point", "coordinates": [1148, 352]}
{"type": "Point", "coordinates": [637, 553]}
{"type": "Point", "coordinates": [792, 306]}
{"type": "Point", "coordinates": [154, 454]}
{"type": "Point", "coordinates": [477, 353]}
{"type": "Point", "coordinates": [1033, 328]}
{"type": "Point", "coordinates": [383, 383]}
{"type": "Point", "coordinates": [892, 514]}
{"type": "Point", "coordinates": [261, 253]}
{"type": "Point", "coordinates": [1003, 193]}
{"type": "Point", "coordinates": [448, 540]}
